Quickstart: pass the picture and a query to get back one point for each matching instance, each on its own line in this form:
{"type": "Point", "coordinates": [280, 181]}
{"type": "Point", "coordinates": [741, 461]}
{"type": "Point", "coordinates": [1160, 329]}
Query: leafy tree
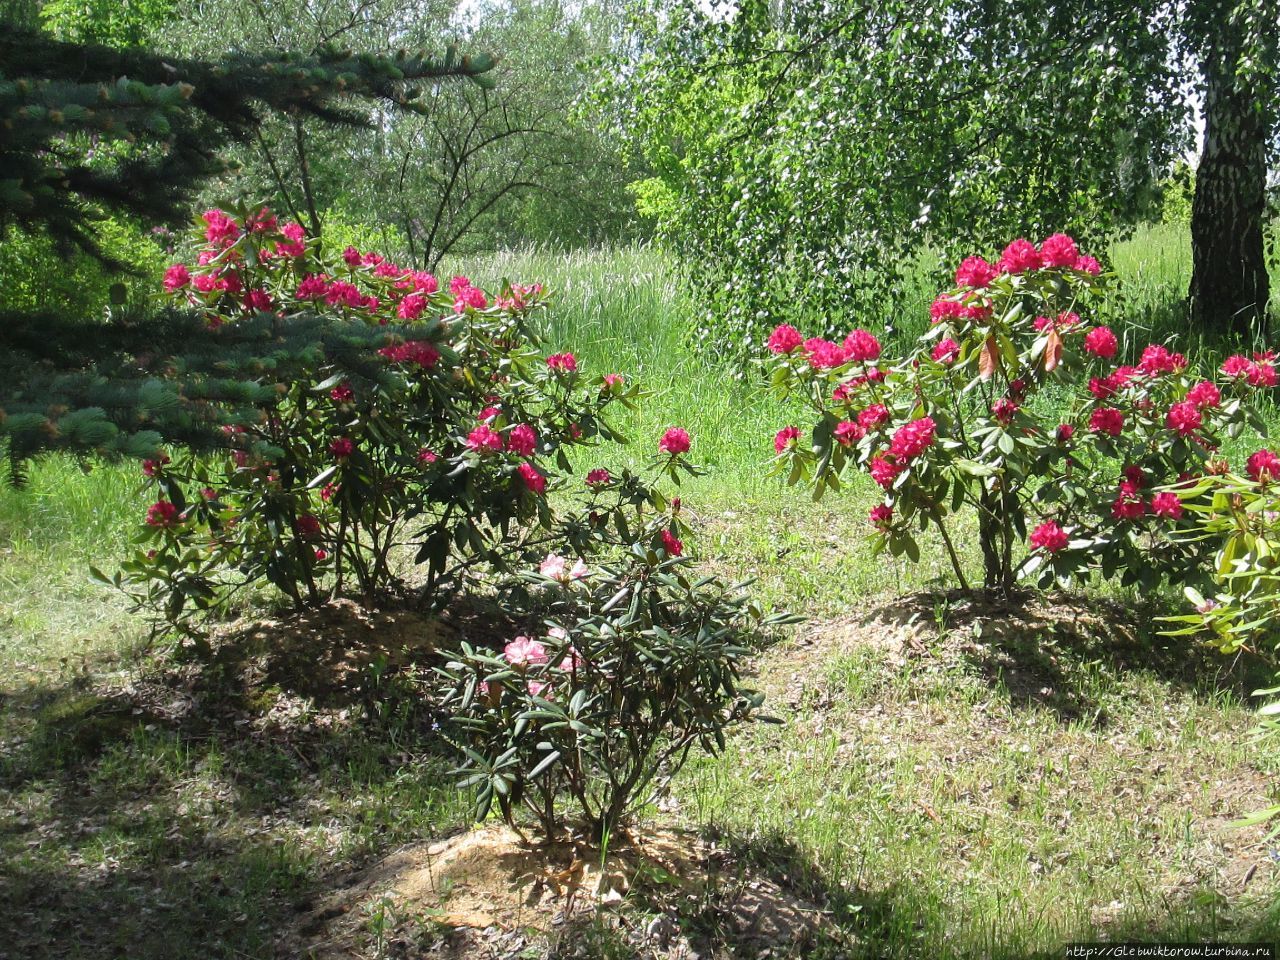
{"type": "Point", "coordinates": [807, 154]}
{"type": "Point", "coordinates": [156, 125]}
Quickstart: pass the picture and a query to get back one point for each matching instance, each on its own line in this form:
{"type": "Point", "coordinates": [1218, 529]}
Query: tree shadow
{"type": "Point", "coordinates": [1064, 653]}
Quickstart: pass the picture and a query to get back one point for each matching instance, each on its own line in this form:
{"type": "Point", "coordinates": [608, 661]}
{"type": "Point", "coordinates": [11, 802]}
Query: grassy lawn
{"type": "Point", "coordinates": [949, 780]}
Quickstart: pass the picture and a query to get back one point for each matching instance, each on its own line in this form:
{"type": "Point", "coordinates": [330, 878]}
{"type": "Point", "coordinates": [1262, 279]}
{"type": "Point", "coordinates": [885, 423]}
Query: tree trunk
{"type": "Point", "coordinates": [1229, 288]}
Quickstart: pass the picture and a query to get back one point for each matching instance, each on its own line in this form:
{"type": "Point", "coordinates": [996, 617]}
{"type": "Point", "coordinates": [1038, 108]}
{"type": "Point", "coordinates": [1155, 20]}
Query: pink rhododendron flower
{"type": "Point", "coordinates": [342, 447]}
{"type": "Point", "coordinates": [427, 456]}
{"type": "Point", "coordinates": [784, 339]}
{"type": "Point", "coordinates": [786, 437]}
{"type": "Point", "coordinates": [1183, 418]}
{"type": "Point", "coordinates": [881, 517]}
{"type": "Point", "coordinates": [424, 282]}
{"type": "Point", "coordinates": [419, 352]}
{"type": "Point", "coordinates": [1237, 366]}
{"type": "Point", "coordinates": [912, 439]}
{"type": "Point", "coordinates": [1059, 250]}
{"type": "Point", "coordinates": [458, 284]}
{"type": "Point", "coordinates": [313, 287]}
{"type": "Point", "coordinates": [151, 468]}
{"type": "Point", "coordinates": [1107, 420]}
{"type": "Point", "coordinates": [257, 299]}
{"type": "Point", "coordinates": [1062, 322]}
{"type": "Point", "coordinates": [873, 416]}
{"type": "Point", "coordinates": [946, 351]}
{"type": "Point", "coordinates": [1263, 466]}
{"type": "Point", "coordinates": [484, 439]}
{"type": "Point", "coordinates": [411, 307]}
{"type": "Point", "coordinates": [1205, 395]}
{"type": "Point", "coordinates": [948, 308]}
{"type": "Point", "coordinates": [524, 651]}
{"type": "Point", "coordinates": [535, 481]}
{"type": "Point", "coordinates": [472, 298]}
{"type": "Point", "coordinates": [1003, 410]}
{"type": "Point", "coordinates": [342, 393]}
{"type": "Point", "coordinates": [848, 432]}
{"type": "Point", "coordinates": [351, 256]}
{"type": "Point", "coordinates": [1263, 371]}
{"type": "Point", "coordinates": [163, 514]}
{"type": "Point", "coordinates": [522, 440]}
{"type": "Point", "coordinates": [599, 477]}
{"type": "Point", "coordinates": [613, 380]}
{"type": "Point", "coordinates": [670, 544]}
{"type": "Point", "coordinates": [220, 229]}
{"type": "Point", "coordinates": [565, 362]}
{"type": "Point", "coordinates": [263, 221]}
{"type": "Point", "coordinates": [975, 272]}
{"type": "Point", "coordinates": [555, 566]}
{"type": "Point", "coordinates": [884, 471]}
{"type": "Point", "coordinates": [861, 346]}
{"type": "Point", "coordinates": [1088, 265]}
{"type": "Point", "coordinates": [176, 277]}
{"type": "Point", "coordinates": [488, 413]}
{"type": "Point", "coordinates": [1019, 257]}
{"type": "Point", "coordinates": [1156, 360]}
{"type": "Point", "coordinates": [1049, 537]}
{"type": "Point", "coordinates": [1128, 507]}
{"type": "Point", "coordinates": [1065, 432]}
{"type": "Point", "coordinates": [675, 441]}
{"type": "Point", "coordinates": [823, 354]}
{"type": "Point", "coordinates": [1101, 342]}
{"type": "Point", "coordinates": [1167, 504]}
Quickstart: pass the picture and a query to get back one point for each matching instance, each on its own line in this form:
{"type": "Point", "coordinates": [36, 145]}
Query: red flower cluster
{"type": "Point", "coordinates": [675, 441]}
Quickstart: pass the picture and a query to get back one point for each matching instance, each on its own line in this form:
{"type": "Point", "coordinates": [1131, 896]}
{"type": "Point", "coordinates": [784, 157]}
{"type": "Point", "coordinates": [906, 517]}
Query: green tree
{"type": "Point", "coordinates": [94, 131]}
{"type": "Point", "coordinates": [807, 154]}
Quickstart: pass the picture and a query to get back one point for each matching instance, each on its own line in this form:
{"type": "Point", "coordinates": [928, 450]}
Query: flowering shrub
{"type": "Point", "coordinates": [1011, 405]}
{"type": "Point", "coordinates": [1239, 515]}
{"type": "Point", "coordinates": [633, 664]}
{"type": "Point", "coordinates": [417, 412]}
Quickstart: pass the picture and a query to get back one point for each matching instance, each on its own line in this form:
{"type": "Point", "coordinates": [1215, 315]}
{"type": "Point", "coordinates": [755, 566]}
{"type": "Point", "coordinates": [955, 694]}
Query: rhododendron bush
{"type": "Point", "coordinates": [422, 414]}
{"type": "Point", "coordinates": [1013, 406]}
{"type": "Point", "coordinates": [625, 666]}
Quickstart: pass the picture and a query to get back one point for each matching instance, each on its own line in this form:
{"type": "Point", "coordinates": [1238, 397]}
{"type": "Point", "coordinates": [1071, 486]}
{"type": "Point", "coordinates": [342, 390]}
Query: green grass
{"type": "Point", "coordinates": [939, 803]}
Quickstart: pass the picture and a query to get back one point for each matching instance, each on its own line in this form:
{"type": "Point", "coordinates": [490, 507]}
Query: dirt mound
{"type": "Point", "coordinates": [490, 893]}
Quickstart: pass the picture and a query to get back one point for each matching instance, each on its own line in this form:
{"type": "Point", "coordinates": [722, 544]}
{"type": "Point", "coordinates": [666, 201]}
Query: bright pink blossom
{"type": "Point", "coordinates": [313, 287]}
{"type": "Point", "coordinates": [1107, 420]}
{"type": "Point", "coordinates": [176, 277]}
{"type": "Point", "coordinates": [1003, 410]}
{"type": "Point", "coordinates": [670, 544]}
{"type": "Point", "coordinates": [342, 447]}
{"type": "Point", "coordinates": [1263, 466]}
{"type": "Point", "coordinates": [946, 351]}
{"type": "Point", "coordinates": [411, 307]}
{"type": "Point", "coordinates": [848, 432]}
{"type": "Point", "coordinates": [1167, 504]}
{"type": "Point", "coordinates": [342, 393]}
{"type": "Point", "coordinates": [873, 416]}
{"type": "Point", "coordinates": [1049, 537]}
{"type": "Point", "coordinates": [784, 339]}
{"type": "Point", "coordinates": [535, 481]}
{"type": "Point", "coordinates": [1128, 507]}
{"type": "Point", "coordinates": [522, 440]}
{"type": "Point", "coordinates": [564, 362]}
{"type": "Point", "coordinates": [786, 437]}
{"type": "Point", "coordinates": [419, 352]}
{"type": "Point", "coordinates": [163, 514]}
{"type": "Point", "coordinates": [426, 456]}
{"type": "Point", "coordinates": [975, 272]}
{"type": "Point", "coordinates": [884, 471]}
{"type": "Point", "coordinates": [912, 439]}
{"type": "Point", "coordinates": [257, 299]}
{"type": "Point", "coordinates": [1205, 395]}
{"type": "Point", "coordinates": [1059, 250]}
{"type": "Point", "coordinates": [484, 439]}
{"type": "Point", "coordinates": [861, 346]}
{"type": "Point", "coordinates": [881, 517]}
{"type": "Point", "coordinates": [599, 477]}
{"type": "Point", "coordinates": [1183, 418]}
{"type": "Point", "coordinates": [1157, 359]}
{"type": "Point", "coordinates": [823, 354]}
{"type": "Point", "coordinates": [1088, 265]}
{"type": "Point", "coordinates": [1101, 342]}
{"type": "Point", "coordinates": [675, 441]}
{"type": "Point", "coordinates": [1019, 257]}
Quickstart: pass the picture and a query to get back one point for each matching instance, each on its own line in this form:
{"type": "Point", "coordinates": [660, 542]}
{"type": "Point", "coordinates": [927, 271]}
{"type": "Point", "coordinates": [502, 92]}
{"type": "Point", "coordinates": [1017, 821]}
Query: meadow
{"type": "Point", "coordinates": [941, 786]}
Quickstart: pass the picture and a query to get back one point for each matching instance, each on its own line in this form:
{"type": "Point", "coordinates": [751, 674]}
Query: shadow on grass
{"type": "Point", "coordinates": [1071, 654]}
{"type": "Point", "coordinates": [194, 812]}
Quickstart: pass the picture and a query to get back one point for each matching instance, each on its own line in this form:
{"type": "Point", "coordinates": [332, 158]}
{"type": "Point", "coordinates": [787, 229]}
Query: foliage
{"type": "Point", "coordinates": [419, 413]}
{"type": "Point", "coordinates": [1009, 406]}
{"type": "Point", "coordinates": [816, 149]}
{"type": "Point", "coordinates": [636, 663]}
{"type": "Point", "coordinates": [157, 123]}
